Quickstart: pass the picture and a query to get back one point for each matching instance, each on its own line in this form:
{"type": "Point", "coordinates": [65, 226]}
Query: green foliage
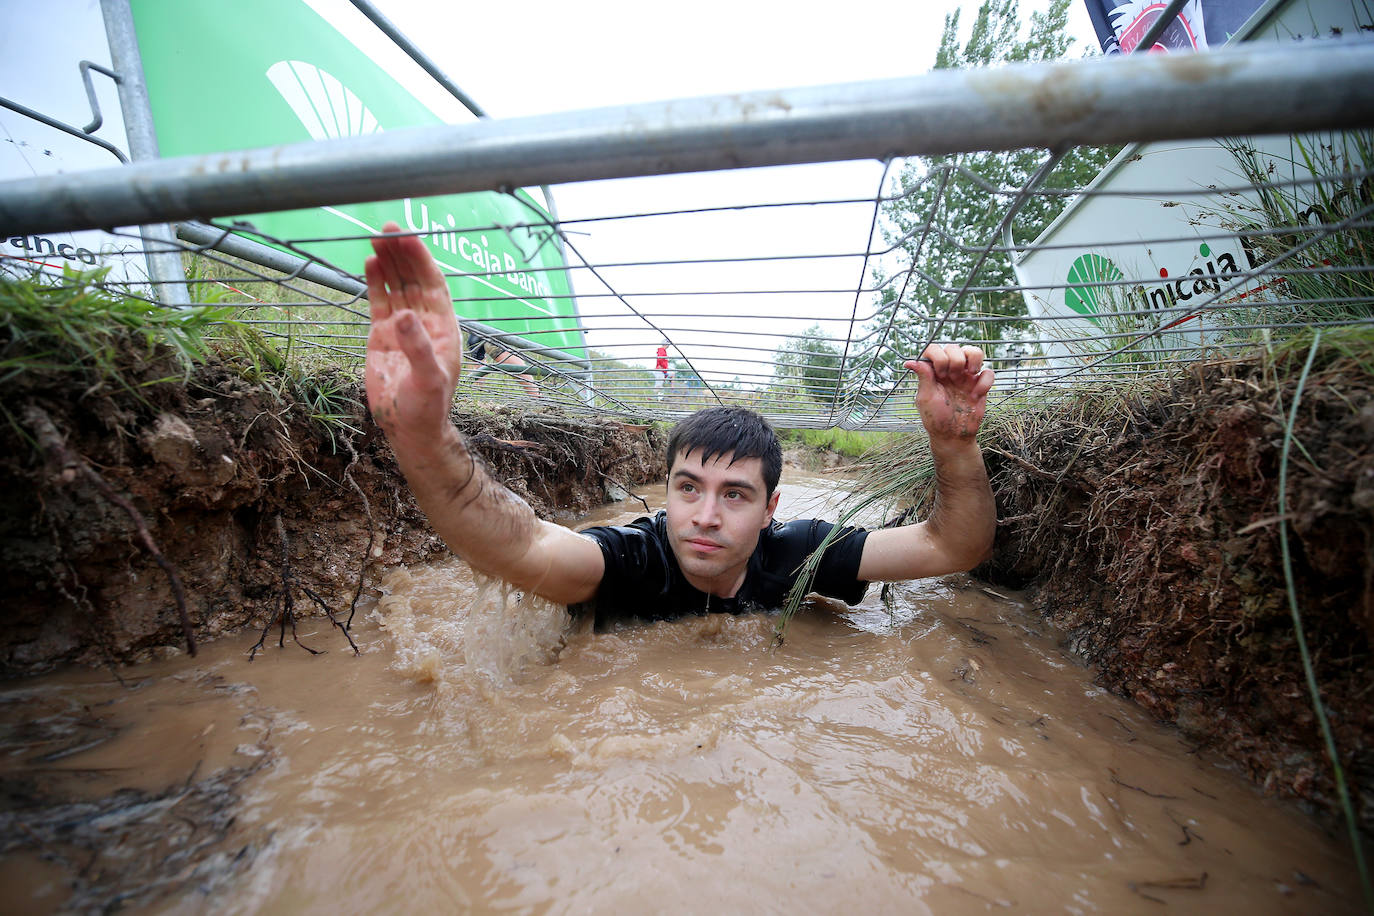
{"type": "Point", "coordinates": [848, 442]}
{"type": "Point", "coordinates": [305, 317]}
{"type": "Point", "coordinates": [809, 364]}
{"type": "Point", "coordinates": [948, 208]}
{"type": "Point", "coordinates": [321, 390]}
{"type": "Point", "coordinates": [1329, 280]}
{"type": "Point", "coordinates": [74, 326]}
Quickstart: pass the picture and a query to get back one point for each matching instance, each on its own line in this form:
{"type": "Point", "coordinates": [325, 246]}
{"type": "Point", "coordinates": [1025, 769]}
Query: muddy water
{"type": "Point", "coordinates": [941, 756]}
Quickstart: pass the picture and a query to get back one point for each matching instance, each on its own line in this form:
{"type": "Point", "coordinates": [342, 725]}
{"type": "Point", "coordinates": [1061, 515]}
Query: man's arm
{"type": "Point", "coordinates": [958, 534]}
{"type": "Point", "coordinates": [414, 355]}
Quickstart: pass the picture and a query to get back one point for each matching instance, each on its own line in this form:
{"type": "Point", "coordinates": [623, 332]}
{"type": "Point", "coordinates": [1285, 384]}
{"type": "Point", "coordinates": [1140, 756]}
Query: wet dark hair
{"type": "Point", "coordinates": [732, 431]}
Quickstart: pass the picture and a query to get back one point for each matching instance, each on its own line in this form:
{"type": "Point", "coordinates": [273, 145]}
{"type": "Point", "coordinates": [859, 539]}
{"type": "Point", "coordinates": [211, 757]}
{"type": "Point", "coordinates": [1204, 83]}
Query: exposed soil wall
{"type": "Point", "coordinates": [218, 469]}
{"type": "Point", "coordinates": [1150, 532]}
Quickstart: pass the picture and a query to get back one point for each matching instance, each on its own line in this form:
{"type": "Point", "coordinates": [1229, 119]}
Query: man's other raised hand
{"type": "Point", "coordinates": [953, 394]}
{"type": "Point", "coordinates": [415, 346]}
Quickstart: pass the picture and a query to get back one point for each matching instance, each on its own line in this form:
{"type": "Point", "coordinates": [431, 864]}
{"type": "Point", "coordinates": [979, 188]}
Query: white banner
{"type": "Point", "coordinates": [1168, 252]}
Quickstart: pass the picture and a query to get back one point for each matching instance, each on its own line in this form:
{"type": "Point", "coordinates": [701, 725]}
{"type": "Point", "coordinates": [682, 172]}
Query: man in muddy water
{"type": "Point", "coordinates": [716, 546]}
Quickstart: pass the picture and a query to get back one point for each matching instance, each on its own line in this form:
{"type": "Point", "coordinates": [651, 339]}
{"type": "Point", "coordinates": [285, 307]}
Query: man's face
{"type": "Point", "coordinates": [715, 513]}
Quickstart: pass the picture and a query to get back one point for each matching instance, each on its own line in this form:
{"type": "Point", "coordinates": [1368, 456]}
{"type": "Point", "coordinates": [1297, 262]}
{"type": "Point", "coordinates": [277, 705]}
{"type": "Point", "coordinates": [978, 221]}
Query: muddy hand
{"type": "Point", "coordinates": [415, 347]}
{"type": "Point", "coordinates": [954, 390]}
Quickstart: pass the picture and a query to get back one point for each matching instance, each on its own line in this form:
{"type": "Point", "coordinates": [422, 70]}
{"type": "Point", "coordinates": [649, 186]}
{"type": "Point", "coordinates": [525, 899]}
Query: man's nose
{"type": "Point", "coordinates": [707, 514]}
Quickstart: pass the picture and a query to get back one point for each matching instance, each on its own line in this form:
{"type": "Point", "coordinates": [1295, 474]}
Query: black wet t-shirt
{"type": "Point", "coordinates": [643, 579]}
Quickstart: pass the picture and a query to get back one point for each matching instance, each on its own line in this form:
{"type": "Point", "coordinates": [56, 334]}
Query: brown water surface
{"type": "Point", "coordinates": [943, 756]}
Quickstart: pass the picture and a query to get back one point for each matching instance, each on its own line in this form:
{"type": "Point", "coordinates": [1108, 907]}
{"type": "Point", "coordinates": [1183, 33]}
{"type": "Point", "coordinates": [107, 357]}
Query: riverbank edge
{"type": "Point", "coordinates": [234, 496]}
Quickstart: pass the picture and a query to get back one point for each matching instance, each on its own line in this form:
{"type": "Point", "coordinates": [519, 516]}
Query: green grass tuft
{"type": "Point", "coordinates": [74, 326]}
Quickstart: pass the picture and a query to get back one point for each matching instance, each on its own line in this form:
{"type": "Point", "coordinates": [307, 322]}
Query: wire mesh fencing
{"type": "Point", "coordinates": [1074, 266]}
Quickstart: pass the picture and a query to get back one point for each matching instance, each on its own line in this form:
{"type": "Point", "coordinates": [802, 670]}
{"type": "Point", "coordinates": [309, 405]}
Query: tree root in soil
{"type": "Point", "coordinates": [287, 616]}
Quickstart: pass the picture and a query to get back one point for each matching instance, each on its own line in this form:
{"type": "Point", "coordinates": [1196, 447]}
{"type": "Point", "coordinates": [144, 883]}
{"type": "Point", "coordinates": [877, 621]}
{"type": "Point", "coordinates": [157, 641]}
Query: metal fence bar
{"type": "Point", "coordinates": [405, 44]}
{"type": "Point", "coordinates": [1305, 88]}
{"type": "Point", "coordinates": [64, 127]}
{"type": "Point", "coordinates": [165, 268]}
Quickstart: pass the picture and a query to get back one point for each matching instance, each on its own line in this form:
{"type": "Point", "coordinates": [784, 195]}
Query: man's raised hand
{"type": "Point", "coordinates": [954, 391]}
{"type": "Point", "coordinates": [415, 347]}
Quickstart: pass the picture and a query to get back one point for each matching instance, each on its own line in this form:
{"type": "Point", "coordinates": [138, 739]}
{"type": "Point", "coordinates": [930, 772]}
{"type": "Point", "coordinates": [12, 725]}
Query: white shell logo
{"type": "Point", "coordinates": [326, 107]}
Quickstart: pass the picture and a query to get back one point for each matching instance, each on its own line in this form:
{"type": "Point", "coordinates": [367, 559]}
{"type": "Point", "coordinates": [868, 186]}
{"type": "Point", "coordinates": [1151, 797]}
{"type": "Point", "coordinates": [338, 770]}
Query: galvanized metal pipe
{"type": "Point", "coordinates": [1258, 89]}
{"type": "Point", "coordinates": [163, 266]}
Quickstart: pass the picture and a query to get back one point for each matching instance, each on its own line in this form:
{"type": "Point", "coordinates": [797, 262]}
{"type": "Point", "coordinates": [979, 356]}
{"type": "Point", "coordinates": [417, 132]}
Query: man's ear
{"type": "Point", "coordinates": [772, 507]}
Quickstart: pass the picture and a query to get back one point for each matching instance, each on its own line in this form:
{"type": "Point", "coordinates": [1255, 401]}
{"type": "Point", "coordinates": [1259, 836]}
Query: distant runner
{"type": "Point", "coordinates": [662, 374]}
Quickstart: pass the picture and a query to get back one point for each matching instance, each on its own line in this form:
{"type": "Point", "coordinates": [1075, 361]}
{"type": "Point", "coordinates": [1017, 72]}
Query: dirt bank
{"type": "Point", "coordinates": [225, 474]}
{"type": "Point", "coordinates": [1149, 529]}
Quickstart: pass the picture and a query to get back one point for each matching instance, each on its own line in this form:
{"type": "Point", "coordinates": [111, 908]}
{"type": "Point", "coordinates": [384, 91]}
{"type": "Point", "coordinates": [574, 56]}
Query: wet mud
{"type": "Point", "coordinates": [941, 755]}
{"type": "Point", "coordinates": [1147, 542]}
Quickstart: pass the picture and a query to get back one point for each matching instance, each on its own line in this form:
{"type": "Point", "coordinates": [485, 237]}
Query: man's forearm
{"type": "Point", "coordinates": [963, 521]}
{"type": "Point", "coordinates": [480, 520]}
{"type": "Point", "coordinates": [956, 536]}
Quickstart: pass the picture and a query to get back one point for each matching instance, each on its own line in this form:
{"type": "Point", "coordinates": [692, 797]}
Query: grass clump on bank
{"type": "Point", "coordinates": [133, 344]}
{"type": "Point", "coordinates": [847, 442]}
{"type": "Point", "coordinates": [75, 326]}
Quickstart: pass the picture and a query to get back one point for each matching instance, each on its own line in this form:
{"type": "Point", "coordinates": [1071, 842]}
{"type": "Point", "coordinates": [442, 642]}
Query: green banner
{"type": "Point", "coordinates": [250, 73]}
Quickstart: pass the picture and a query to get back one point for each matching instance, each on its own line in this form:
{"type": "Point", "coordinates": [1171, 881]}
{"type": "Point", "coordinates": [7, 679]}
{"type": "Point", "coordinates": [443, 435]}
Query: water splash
{"type": "Point", "coordinates": [450, 627]}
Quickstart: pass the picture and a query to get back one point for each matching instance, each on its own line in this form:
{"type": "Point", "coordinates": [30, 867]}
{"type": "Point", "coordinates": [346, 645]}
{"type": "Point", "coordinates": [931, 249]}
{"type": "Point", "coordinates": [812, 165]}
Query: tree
{"type": "Point", "coordinates": [947, 209]}
{"type": "Point", "coordinates": [811, 363]}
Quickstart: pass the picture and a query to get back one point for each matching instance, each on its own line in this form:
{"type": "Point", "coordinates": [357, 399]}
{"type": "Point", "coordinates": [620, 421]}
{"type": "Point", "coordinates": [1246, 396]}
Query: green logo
{"type": "Point", "coordinates": [1082, 295]}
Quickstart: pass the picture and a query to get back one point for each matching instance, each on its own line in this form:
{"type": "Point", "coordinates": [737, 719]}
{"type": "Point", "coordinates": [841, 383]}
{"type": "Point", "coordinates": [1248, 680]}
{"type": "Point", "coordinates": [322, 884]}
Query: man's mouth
{"type": "Point", "coordinates": [702, 545]}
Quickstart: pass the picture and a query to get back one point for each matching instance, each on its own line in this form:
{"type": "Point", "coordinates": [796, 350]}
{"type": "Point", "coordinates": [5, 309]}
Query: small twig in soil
{"type": "Point", "coordinates": [1265, 522]}
{"type": "Point", "coordinates": [71, 464]}
{"type": "Point", "coordinates": [371, 541]}
{"type": "Point", "coordinates": [1023, 464]}
{"type": "Point", "coordinates": [287, 612]}
{"type": "Point", "coordinates": [628, 492]}
{"type": "Point", "coordinates": [509, 445]}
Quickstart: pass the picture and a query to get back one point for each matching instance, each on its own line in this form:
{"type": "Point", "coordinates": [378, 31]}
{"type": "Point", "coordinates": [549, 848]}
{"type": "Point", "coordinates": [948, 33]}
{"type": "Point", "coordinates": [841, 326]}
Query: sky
{"type": "Point", "coordinates": [538, 57]}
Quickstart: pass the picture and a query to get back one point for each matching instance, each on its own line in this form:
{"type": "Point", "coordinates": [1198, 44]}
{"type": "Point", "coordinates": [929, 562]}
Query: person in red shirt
{"type": "Point", "coordinates": [662, 377]}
